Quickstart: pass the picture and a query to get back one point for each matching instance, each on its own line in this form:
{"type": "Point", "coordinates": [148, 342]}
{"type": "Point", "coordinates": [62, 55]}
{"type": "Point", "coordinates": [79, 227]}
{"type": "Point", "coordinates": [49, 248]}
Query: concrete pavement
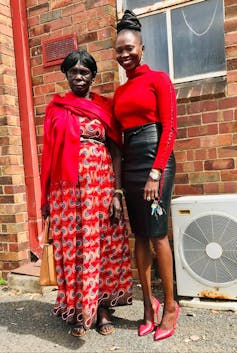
{"type": "Point", "coordinates": [26, 325]}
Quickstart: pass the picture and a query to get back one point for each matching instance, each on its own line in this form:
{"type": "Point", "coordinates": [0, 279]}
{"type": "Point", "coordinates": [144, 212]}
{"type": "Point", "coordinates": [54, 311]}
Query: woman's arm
{"type": "Point", "coordinates": [166, 104]}
{"type": "Point", "coordinates": [46, 165]}
{"type": "Point", "coordinates": [116, 204]}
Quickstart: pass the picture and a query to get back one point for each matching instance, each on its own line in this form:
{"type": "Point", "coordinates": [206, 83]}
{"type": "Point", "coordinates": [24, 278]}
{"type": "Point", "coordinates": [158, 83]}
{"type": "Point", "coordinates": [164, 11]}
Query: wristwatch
{"type": "Point", "coordinates": [155, 174]}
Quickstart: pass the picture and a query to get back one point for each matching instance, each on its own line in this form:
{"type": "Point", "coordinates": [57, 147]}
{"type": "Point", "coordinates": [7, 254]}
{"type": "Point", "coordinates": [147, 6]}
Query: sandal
{"type": "Point", "coordinates": [78, 331]}
{"type": "Point", "coordinates": [104, 325]}
{"type": "Point", "coordinates": [106, 328]}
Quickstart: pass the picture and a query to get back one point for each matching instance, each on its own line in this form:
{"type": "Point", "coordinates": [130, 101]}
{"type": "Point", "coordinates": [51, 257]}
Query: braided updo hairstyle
{"type": "Point", "coordinates": [129, 21]}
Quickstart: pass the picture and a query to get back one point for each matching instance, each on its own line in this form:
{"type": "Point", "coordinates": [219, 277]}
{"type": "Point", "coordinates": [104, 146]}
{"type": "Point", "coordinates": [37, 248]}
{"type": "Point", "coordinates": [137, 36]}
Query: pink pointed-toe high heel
{"type": "Point", "coordinates": [162, 334]}
{"type": "Point", "coordinates": [144, 329]}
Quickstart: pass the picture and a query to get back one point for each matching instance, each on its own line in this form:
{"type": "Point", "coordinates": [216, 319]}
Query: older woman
{"type": "Point", "coordinates": [145, 107]}
{"type": "Point", "coordinates": [80, 193]}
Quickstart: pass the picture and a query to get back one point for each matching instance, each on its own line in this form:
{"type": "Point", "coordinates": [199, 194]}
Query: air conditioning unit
{"type": "Point", "coordinates": [205, 245]}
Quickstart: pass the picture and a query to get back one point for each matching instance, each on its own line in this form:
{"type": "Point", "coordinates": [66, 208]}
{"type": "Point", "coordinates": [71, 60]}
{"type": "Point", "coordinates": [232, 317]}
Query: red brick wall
{"type": "Point", "coordinates": [14, 243]}
{"type": "Point", "coordinates": [206, 148]}
{"type": "Point", "coordinates": [93, 23]}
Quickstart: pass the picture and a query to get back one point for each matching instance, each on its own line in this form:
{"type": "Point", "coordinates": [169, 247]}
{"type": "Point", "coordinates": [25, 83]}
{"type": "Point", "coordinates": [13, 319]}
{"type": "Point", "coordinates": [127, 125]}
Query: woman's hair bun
{"type": "Point", "coordinates": [129, 21]}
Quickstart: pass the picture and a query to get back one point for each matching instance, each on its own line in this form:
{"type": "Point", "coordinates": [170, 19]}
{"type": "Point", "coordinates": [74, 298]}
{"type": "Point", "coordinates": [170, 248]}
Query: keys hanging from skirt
{"type": "Point", "coordinates": [157, 209]}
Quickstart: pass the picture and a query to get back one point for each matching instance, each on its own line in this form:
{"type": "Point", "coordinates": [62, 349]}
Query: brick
{"type": "Point", "coordinates": [107, 77]}
{"type": "Point", "coordinates": [232, 75]}
{"type": "Point", "coordinates": [189, 120]}
{"type": "Point", "coordinates": [10, 170]}
{"type": "Point", "coordinates": [228, 127]}
{"type": "Point", "coordinates": [15, 228]}
{"type": "Point", "coordinates": [7, 217]}
{"type": "Point", "coordinates": [14, 256]}
{"type": "Point", "coordinates": [204, 130]}
{"type": "Point", "coordinates": [187, 144]}
{"type": "Point", "coordinates": [4, 199]}
{"type": "Point", "coordinates": [90, 4]}
{"type": "Point", "coordinates": [57, 24]}
{"type": "Point", "coordinates": [209, 105]}
{"type": "Point", "coordinates": [229, 151]}
{"type": "Point", "coordinates": [229, 3]}
{"type": "Point", "coordinates": [212, 141]}
{"type": "Point", "coordinates": [106, 88]}
{"type": "Point", "coordinates": [182, 94]}
{"type": "Point", "coordinates": [22, 237]}
{"type": "Point", "coordinates": [193, 108]}
{"type": "Point", "coordinates": [44, 89]}
{"type": "Point", "coordinates": [220, 188]}
{"type": "Point", "coordinates": [188, 190]}
{"type": "Point", "coordinates": [181, 109]}
{"type": "Point", "coordinates": [33, 21]}
{"type": "Point", "coordinates": [87, 37]}
{"type": "Point", "coordinates": [3, 247]}
{"type": "Point", "coordinates": [108, 54]}
{"type": "Point", "coordinates": [203, 177]}
{"type": "Point", "coordinates": [232, 89]}
{"type": "Point", "coordinates": [37, 10]}
{"type": "Point", "coordinates": [219, 164]}
{"type": "Point", "coordinates": [230, 38]}
{"type": "Point", "coordinates": [181, 178]}
{"type": "Point", "coordinates": [5, 180]}
{"type": "Point", "coordinates": [227, 175]}
{"type": "Point", "coordinates": [18, 179]}
{"type": "Point", "coordinates": [106, 33]}
{"type": "Point", "coordinates": [181, 156]}
{"type": "Point", "coordinates": [190, 155]}
{"type": "Point", "coordinates": [210, 117]}
{"type": "Point", "coordinates": [211, 188]}
{"type": "Point", "coordinates": [228, 115]}
{"type": "Point", "coordinates": [179, 167]}
{"type": "Point", "coordinates": [100, 45]}
{"type": "Point", "coordinates": [230, 24]}
{"type": "Point", "coordinates": [231, 64]}
{"type": "Point", "coordinates": [50, 16]}
{"type": "Point", "coordinates": [192, 166]}
{"type": "Point", "coordinates": [31, 3]}
{"type": "Point", "coordinates": [9, 150]}
{"type": "Point", "coordinates": [15, 247]}
{"type": "Point", "coordinates": [231, 52]}
{"type": "Point", "coordinates": [182, 134]}
{"type": "Point", "coordinates": [19, 198]}
{"type": "Point", "coordinates": [35, 62]}
{"type": "Point", "coordinates": [203, 154]}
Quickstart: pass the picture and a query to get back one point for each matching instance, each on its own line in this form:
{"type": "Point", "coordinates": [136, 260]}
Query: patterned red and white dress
{"type": "Point", "coordinates": [91, 252]}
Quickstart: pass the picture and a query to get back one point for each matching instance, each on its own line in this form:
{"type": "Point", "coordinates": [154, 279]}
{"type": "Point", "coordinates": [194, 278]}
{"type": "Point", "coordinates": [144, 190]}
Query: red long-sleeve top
{"type": "Point", "coordinates": [146, 97]}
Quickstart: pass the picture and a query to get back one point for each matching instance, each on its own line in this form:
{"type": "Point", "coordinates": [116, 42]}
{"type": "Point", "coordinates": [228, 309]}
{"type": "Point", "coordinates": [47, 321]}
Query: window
{"type": "Point", "coordinates": [182, 37]}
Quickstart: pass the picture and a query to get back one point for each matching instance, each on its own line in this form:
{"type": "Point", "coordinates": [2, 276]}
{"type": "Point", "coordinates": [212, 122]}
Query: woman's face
{"type": "Point", "coordinates": [129, 49]}
{"type": "Point", "coordinates": [79, 78]}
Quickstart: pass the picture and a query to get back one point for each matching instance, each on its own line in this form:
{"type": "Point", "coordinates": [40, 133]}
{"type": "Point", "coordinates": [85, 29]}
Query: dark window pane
{"type": "Point", "coordinates": [154, 36]}
{"type": "Point", "coordinates": [132, 4]}
{"type": "Point", "coordinates": [198, 38]}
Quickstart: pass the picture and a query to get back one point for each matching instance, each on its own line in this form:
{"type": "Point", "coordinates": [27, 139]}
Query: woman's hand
{"type": "Point", "coordinates": [116, 209]}
{"type": "Point", "coordinates": [45, 210]}
{"type": "Point", "coordinates": [151, 189]}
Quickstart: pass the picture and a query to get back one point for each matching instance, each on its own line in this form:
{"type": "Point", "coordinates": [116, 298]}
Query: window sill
{"type": "Point", "coordinates": [201, 89]}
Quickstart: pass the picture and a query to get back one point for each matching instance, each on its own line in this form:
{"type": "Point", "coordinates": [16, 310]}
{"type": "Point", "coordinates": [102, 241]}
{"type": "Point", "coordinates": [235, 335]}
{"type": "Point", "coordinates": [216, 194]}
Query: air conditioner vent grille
{"type": "Point", "coordinates": [209, 246]}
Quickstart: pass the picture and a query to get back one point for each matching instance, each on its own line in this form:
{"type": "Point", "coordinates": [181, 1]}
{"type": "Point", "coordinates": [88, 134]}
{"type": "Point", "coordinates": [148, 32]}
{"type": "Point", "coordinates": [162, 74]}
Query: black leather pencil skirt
{"type": "Point", "coordinates": [140, 148]}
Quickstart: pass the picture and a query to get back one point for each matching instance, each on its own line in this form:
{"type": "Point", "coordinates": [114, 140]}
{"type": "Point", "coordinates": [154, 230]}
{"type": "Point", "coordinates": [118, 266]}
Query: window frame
{"type": "Point", "coordinates": [166, 6]}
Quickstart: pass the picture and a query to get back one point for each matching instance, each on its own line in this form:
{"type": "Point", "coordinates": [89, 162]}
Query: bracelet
{"type": "Point", "coordinates": [118, 191]}
{"type": "Point", "coordinates": [157, 171]}
{"type": "Point", "coordinates": [155, 174]}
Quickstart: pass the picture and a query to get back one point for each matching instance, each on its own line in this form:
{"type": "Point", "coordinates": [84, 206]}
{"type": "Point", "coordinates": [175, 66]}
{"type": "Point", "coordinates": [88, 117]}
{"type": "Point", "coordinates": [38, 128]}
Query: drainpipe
{"type": "Point", "coordinates": [26, 107]}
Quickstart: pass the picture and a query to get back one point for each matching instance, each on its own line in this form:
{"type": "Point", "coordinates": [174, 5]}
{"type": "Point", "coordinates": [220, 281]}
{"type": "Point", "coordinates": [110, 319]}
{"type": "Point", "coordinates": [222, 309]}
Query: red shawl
{"type": "Point", "coordinates": [61, 144]}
